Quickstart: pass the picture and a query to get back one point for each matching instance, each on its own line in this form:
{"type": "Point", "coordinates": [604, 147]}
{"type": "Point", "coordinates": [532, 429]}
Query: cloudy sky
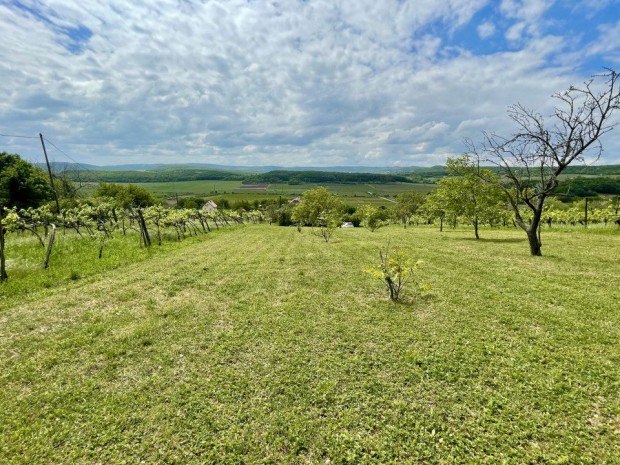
{"type": "Point", "coordinates": [288, 82]}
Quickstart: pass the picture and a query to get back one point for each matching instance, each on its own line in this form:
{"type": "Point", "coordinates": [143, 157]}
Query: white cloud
{"type": "Point", "coordinates": [486, 30]}
{"type": "Point", "coordinates": [528, 15]}
{"type": "Point", "coordinates": [527, 10]}
{"type": "Point", "coordinates": [515, 32]}
{"type": "Point", "coordinates": [292, 83]}
{"type": "Point", "coordinates": [608, 42]}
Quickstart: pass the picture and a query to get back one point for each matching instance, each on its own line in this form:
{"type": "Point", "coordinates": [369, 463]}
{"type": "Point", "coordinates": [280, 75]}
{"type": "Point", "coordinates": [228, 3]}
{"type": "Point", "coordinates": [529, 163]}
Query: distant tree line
{"type": "Point", "coordinates": [596, 170]}
{"type": "Point", "coordinates": [588, 187]}
{"type": "Point", "coordinates": [171, 175]}
{"type": "Point", "coordinates": [322, 177]}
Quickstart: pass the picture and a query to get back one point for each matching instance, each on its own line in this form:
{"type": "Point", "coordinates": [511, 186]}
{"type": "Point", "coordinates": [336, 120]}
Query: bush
{"type": "Point", "coordinates": [396, 270]}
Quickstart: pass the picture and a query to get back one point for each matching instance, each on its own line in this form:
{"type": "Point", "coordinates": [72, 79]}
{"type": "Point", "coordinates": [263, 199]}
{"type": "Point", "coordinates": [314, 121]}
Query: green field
{"type": "Point", "coordinates": [260, 344]}
{"type": "Point", "coordinates": [354, 194]}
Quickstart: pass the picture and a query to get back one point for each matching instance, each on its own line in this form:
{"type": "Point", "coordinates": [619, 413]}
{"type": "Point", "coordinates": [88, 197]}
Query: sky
{"type": "Point", "coordinates": [289, 82]}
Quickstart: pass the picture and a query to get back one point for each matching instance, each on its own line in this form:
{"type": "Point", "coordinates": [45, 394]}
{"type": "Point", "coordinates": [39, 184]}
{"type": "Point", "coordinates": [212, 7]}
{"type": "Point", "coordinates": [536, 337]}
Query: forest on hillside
{"type": "Point", "coordinates": [327, 177]}
{"type": "Point", "coordinates": [581, 181]}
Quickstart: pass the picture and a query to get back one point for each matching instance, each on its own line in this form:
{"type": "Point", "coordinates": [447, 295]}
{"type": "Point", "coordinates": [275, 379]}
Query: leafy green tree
{"type": "Point", "coordinates": [316, 205]}
{"type": "Point", "coordinates": [407, 205]}
{"type": "Point", "coordinates": [435, 207]}
{"type": "Point", "coordinates": [372, 217]}
{"type": "Point", "coordinates": [126, 196]}
{"type": "Point", "coordinates": [471, 192]}
{"type": "Point", "coordinates": [21, 184]}
{"type": "Point", "coordinates": [192, 203]}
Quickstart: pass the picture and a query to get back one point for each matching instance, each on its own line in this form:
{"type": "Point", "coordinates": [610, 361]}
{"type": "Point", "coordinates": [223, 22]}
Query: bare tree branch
{"type": "Point", "coordinates": [532, 159]}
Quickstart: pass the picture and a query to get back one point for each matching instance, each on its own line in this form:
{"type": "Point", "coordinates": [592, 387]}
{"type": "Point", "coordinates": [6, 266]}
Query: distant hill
{"type": "Point", "coordinates": [139, 173]}
{"type": "Point", "coordinates": [302, 177]}
{"type": "Point", "coordinates": [62, 166]}
{"type": "Point", "coordinates": [154, 175]}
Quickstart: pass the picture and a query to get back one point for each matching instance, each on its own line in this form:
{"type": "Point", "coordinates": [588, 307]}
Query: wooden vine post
{"type": "Point", "coordinates": [3, 274]}
{"type": "Point", "coordinates": [50, 244]}
{"type": "Point", "coordinates": [144, 232]}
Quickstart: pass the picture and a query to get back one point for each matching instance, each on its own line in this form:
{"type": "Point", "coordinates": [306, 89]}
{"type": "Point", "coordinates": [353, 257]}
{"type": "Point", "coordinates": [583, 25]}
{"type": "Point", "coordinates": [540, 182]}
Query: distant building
{"type": "Point", "coordinates": [209, 206]}
{"type": "Point", "coordinates": [295, 201]}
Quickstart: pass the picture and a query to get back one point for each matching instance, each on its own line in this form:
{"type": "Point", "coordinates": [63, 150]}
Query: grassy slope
{"type": "Point", "coordinates": [263, 345]}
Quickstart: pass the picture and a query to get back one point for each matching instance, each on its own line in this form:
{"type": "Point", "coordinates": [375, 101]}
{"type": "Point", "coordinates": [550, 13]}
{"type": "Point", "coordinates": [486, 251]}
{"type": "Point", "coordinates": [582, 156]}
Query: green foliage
{"type": "Point", "coordinates": [328, 222]}
{"type": "Point", "coordinates": [90, 226]}
{"type": "Point", "coordinates": [281, 215]}
{"type": "Point", "coordinates": [407, 205]}
{"type": "Point", "coordinates": [470, 192]}
{"type": "Point", "coordinates": [194, 203]}
{"type": "Point", "coordinates": [222, 203]}
{"type": "Point", "coordinates": [322, 177]}
{"type": "Point", "coordinates": [372, 217]}
{"type": "Point", "coordinates": [126, 196]}
{"type": "Point", "coordinates": [594, 170]}
{"type": "Point", "coordinates": [255, 204]}
{"type": "Point", "coordinates": [426, 174]}
{"type": "Point", "coordinates": [21, 184]}
{"type": "Point", "coordinates": [396, 270]}
{"type": "Point", "coordinates": [588, 187]}
{"type": "Point", "coordinates": [318, 206]}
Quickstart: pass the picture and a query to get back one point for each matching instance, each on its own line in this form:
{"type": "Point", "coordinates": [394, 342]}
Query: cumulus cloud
{"type": "Point", "coordinates": [486, 30]}
{"type": "Point", "coordinates": [292, 83]}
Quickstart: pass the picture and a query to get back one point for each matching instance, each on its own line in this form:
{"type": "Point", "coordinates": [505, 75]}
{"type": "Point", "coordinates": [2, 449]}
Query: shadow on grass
{"type": "Point", "coordinates": [497, 241]}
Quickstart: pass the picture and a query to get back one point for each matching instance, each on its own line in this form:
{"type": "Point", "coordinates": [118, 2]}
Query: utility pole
{"type": "Point", "coordinates": [49, 171]}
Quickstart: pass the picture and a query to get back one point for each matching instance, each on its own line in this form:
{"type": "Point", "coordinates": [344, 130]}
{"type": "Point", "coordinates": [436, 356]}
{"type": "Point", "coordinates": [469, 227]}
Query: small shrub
{"type": "Point", "coordinates": [396, 270]}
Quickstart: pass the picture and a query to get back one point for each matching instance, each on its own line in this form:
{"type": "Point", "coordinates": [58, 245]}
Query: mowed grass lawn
{"type": "Point", "coordinates": [265, 345]}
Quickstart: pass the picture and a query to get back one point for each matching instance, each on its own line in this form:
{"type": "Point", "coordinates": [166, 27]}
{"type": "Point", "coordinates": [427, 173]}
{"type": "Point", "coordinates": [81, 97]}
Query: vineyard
{"type": "Point", "coordinates": [98, 221]}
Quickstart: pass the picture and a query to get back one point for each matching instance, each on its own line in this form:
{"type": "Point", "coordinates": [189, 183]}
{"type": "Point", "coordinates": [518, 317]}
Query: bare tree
{"type": "Point", "coordinates": [532, 159]}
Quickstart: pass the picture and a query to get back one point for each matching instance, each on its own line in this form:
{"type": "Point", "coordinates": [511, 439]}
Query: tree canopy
{"type": "Point", "coordinates": [22, 185]}
{"type": "Point", "coordinates": [126, 196]}
{"type": "Point", "coordinates": [315, 206]}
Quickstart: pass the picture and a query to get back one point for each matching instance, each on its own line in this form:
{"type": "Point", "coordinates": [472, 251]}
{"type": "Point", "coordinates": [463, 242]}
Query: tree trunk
{"type": "Point", "coordinates": [476, 229]}
{"type": "Point", "coordinates": [535, 245]}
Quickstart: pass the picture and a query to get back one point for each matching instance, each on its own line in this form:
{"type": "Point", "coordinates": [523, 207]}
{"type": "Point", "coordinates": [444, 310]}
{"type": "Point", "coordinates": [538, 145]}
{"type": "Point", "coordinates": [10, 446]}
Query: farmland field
{"type": "Point", "coordinates": [354, 194]}
{"type": "Point", "coordinates": [261, 344]}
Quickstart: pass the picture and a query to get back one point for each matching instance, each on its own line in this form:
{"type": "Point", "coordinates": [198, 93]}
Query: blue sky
{"type": "Point", "coordinates": [294, 83]}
